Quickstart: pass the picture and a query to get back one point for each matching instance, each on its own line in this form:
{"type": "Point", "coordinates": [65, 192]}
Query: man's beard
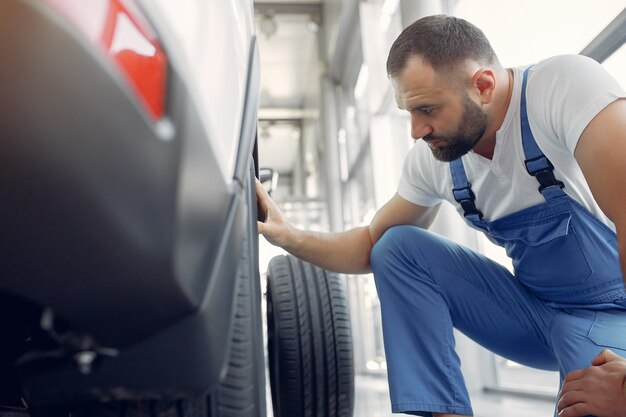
{"type": "Point", "coordinates": [471, 128]}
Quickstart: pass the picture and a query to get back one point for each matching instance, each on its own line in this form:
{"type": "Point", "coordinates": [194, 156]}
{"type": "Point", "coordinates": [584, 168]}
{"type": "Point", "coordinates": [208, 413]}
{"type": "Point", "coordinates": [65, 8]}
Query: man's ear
{"type": "Point", "coordinates": [483, 84]}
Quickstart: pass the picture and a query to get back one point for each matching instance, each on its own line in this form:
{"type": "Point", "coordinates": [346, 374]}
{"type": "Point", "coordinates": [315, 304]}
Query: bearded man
{"type": "Point", "coordinates": [535, 158]}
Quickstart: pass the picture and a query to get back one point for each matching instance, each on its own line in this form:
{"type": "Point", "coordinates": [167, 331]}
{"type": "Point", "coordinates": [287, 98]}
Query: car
{"type": "Point", "coordinates": [130, 281]}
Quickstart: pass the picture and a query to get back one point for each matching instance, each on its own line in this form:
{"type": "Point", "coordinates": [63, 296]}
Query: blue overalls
{"type": "Point", "coordinates": [565, 303]}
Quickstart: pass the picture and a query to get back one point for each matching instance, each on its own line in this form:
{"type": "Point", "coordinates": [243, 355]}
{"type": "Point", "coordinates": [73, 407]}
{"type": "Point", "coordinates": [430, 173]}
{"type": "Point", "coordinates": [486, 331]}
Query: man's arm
{"type": "Point", "coordinates": [347, 252]}
{"type": "Point", "coordinates": [601, 154]}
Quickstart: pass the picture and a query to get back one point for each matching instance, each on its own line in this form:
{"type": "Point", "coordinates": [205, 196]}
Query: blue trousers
{"type": "Point", "coordinates": [427, 285]}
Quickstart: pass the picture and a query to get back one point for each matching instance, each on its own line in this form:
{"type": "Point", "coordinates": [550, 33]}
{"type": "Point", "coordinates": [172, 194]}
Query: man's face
{"type": "Point", "coordinates": [471, 127]}
{"type": "Point", "coordinates": [442, 113]}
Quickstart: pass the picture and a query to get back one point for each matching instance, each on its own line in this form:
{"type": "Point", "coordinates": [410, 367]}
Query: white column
{"type": "Point", "coordinates": [331, 156]}
{"type": "Point", "coordinates": [411, 10]}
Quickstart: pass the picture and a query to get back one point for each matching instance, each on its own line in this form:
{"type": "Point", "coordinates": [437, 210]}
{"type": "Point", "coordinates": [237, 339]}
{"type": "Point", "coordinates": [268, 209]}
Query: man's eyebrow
{"type": "Point", "coordinates": [418, 106]}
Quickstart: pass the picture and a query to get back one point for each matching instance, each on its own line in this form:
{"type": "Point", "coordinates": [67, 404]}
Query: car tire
{"type": "Point", "coordinates": [309, 341]}
{"type": "Point", "coordinates": [242, 392]}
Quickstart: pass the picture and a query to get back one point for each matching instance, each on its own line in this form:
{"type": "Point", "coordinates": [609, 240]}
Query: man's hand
{"type": "Point", "coordinates": [599, 390]}
{"type": "Point", "coordinates": [275, 228]}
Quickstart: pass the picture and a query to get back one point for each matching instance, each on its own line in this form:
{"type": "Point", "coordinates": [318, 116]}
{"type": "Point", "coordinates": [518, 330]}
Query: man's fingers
{"type": "Point", "coordinates": [573, 376]}
{"type": "Point", "coordinates": [570, 398]}
{"type": "Point", "coordinates": [576, 410]}
{"type": "Point", "coordinates": [571, 386]}
{"type": "Point", "coordinates": [605, 356]}
{"type": "Point", "coordinates": [260, 190]}
{"type": "Point", "coordinates": [600, 359]}
{"type": "Point", "coordinates": [263, 201]}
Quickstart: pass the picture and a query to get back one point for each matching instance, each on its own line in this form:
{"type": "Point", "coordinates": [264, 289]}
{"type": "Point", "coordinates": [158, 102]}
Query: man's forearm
{"type": "Point", "coordinates": [346, 252]}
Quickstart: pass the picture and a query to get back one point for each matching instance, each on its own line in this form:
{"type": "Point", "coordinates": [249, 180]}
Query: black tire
{"type": "Point", "coordinates": [242, 392]}
{"type": "Point", "coordinates": [309, 341]}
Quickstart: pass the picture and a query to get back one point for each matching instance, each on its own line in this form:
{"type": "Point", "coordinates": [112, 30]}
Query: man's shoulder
{"type": "Point", "coordinates": [562, 68]}
{"type": "Point", "coordinates": [563, 79]}
{"type": "Point", "coordinates": [563, 61]}
{"type": "Point", "coordinates": [564, 93]}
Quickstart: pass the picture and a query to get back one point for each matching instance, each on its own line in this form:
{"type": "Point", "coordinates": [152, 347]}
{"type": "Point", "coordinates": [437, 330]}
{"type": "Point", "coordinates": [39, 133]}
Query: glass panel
{"type": "Point", "coordinates": [369, 354]}
{"type": "Point", "coordinates": [514, 376]}
{"type": "Point", "coordinates": [361, 189]}
{"type": "Point", "coordinates": [525, 32]}
{"type": "Point", "coordinates": [357, 127]}
{"type": "Point", "coordinates": [358, 204]}
{"type": "Point", "coordinates": [616, 65]}
{"type": "Point", "coordinates": [364, 303]}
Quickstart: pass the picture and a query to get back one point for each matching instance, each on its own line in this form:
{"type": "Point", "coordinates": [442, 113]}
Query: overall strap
{"type": "Point", "coordinates": [537, 164]}
{"type": "Point", "coordinates": [462, 191]}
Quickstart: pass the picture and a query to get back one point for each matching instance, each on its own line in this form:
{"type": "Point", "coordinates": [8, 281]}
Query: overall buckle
{"type": "Point", "coordinates": [546, 179]}
{"type": "Point", "coordinates": [542, 169]}
{"type": "Point", "coordinates": [465, 197]}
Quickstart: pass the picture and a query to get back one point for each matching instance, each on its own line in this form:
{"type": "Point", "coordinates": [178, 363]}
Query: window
{"type": "Point", "coordinates": [616, 65]}
{"type": "Point", "coordinates": [525, 32]}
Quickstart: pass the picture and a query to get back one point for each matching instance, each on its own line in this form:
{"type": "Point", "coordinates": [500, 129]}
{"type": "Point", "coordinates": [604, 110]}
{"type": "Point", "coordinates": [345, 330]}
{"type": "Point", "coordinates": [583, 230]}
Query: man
{"type": "Point", "coordinates": [535, 158]}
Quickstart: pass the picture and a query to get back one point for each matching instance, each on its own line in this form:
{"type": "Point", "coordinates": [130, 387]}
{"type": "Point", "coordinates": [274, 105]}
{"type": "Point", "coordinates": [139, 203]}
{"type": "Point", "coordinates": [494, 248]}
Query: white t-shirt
{"type": "Point", "coordinates": [564, 94]}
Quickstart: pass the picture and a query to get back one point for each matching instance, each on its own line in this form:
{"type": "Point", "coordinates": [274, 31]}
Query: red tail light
{"type": "Point", "coordinates": [118, 27]}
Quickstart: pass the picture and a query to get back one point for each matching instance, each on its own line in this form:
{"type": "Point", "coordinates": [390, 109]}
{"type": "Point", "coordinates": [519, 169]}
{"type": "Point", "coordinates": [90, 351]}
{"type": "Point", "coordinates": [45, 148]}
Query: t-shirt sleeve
{"type": "Point", "coordinates": [566, 92]}
{"type": "Point", "coordinates": [417, 178]}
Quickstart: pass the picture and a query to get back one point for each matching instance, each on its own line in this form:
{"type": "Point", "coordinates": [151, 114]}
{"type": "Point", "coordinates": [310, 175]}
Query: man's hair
{"type": "Point", "coordinates": [443, 42]}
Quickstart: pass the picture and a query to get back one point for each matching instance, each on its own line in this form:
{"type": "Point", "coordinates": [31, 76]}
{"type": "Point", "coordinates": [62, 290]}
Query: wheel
{"type": "Point", "coordinates": [309, 341]}
{"type": "Point", "coordinates": [242, 392]}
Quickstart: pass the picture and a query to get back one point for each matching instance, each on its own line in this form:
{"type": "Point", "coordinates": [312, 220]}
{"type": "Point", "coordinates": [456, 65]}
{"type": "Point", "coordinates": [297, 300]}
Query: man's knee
{"type": "Point", "coordinates": [395, 243]}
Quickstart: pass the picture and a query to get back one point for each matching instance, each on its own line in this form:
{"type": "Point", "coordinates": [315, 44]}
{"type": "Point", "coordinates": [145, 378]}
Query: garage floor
{"type": "Point", "coordinates": [372, 400]}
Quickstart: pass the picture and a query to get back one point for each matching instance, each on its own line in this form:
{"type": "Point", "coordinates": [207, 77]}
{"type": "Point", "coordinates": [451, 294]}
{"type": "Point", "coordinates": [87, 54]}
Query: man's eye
{"type": "Point", "coordinates": [426, 110]}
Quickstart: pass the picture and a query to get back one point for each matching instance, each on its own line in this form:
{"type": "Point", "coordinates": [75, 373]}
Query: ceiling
{"type": "Point", "coordinates": [287, 33]}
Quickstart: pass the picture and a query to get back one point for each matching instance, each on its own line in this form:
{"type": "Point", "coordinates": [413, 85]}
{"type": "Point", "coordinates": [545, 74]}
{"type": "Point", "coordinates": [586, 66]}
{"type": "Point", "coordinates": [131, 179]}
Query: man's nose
{"type": "Point", "coordinates": [419, 129]}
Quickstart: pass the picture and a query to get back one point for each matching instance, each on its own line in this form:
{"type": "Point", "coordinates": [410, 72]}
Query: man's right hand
{"type": "Point", "coordinates": [346, 252]}
{"type": "Point", "coordinates": [274, 227]}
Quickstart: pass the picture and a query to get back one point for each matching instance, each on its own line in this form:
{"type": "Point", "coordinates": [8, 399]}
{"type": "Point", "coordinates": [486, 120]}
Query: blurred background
{"type": "Point", "coordinates": [329, 125]}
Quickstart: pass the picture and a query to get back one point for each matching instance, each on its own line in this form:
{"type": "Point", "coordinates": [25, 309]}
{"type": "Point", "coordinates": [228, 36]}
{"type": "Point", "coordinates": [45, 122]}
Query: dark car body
{"type": "Point", "coordinates": [125, 225]}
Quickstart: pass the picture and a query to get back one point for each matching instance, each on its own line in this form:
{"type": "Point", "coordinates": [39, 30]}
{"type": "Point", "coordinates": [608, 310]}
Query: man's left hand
{"type": "Point", "coordinates": [599, 390]}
